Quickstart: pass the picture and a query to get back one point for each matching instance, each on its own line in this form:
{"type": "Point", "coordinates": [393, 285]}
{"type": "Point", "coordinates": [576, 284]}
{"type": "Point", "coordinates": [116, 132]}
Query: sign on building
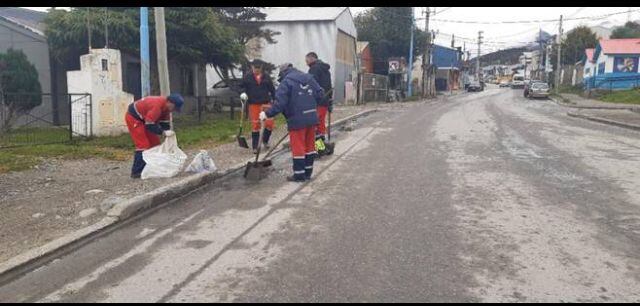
{"type": "Point", "coordinates": [396, 65]}
{"type": "Point", "coordinates": [625, 64]}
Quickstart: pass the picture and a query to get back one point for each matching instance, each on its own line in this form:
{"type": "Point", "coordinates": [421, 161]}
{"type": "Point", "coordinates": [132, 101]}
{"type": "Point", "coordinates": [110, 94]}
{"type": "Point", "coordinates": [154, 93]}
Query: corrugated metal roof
{"type": "Point", "coordinates": [29, 19]}
{"type": "Point", "coordinates": [279, 14]}
{"type": "Point", "coordinates": [620, 46]}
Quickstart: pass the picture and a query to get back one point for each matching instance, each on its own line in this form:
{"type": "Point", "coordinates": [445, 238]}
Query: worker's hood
{"type": "Point", "coordinates": [322, 65]}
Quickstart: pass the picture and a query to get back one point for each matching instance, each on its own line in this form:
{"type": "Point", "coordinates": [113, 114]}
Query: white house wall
{"type": "Point", "coordinates": [108, 102]}
{"type": "Point", "coordinates": [296, 39]}
{"type": "Point", "coordinates": [345, 23]}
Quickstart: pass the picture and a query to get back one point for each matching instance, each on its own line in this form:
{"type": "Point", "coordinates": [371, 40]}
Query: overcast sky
{"type": "Point", "coordinates": [501, 36]}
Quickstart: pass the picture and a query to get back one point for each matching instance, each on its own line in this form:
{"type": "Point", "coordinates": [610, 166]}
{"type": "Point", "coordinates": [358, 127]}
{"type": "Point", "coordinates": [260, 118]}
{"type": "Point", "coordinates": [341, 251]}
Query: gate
{"type": "Point", "coordinates": [374, 87]}
{"type": "Point", "coordinates": [55, 120]}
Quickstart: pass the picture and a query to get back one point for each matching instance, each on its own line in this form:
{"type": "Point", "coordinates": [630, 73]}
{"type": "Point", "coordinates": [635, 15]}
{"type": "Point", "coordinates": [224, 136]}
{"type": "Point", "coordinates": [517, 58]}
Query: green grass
{"type": "Point", "coordinates": [631, 96]}
{"type": "Point", "coordinates": [212, 131]}
{"type": "Point", "coordinates": [571, 89]}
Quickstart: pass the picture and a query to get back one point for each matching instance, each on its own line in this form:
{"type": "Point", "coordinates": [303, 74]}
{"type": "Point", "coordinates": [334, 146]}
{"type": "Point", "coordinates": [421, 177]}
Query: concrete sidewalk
{"type": "Point", "coordinates": [618, 117]}
{"type": "Point", "coordinates": [577, 101]}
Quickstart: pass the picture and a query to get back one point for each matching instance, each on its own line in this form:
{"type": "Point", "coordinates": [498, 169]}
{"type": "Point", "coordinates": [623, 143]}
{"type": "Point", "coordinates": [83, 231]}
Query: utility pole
{"type": "Point", "coordinates": [540, 52]}
{"type": "Point", "coordinates": [478, 58]}
{"type": "Point", "coordinates": [450, 74]}
{"type": "Point", "coordinates": [144, 52]}
{"type": "Point", "coordinates": [559, 63]}
{"type": "Point", "coordinates": [106, 27]}
{"type": "Point", "coordinates": [410, 64]}
{"type": "Point", "coordinates": [426, 58]}
{"type": "Point", "coordinates": [89, 27]}
{"type": "Point", "coordinates": [161, 46]}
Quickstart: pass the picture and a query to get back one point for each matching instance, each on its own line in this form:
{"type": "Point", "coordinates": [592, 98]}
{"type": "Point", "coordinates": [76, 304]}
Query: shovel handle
{"type": "Point", "coordinates": [260, 139]}
{"type": "Point", "coordinates": [275, 146]}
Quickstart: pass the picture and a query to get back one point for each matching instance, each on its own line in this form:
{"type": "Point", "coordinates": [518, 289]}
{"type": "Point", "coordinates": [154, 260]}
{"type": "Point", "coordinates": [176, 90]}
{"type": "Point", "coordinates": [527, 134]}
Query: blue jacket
{"type": "Point", "coordinates": [296, 98]}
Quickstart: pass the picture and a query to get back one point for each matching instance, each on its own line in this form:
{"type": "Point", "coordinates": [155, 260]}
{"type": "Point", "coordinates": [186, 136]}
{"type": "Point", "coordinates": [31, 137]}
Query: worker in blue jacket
{"type": "Point", "coordinates": [296, 98]}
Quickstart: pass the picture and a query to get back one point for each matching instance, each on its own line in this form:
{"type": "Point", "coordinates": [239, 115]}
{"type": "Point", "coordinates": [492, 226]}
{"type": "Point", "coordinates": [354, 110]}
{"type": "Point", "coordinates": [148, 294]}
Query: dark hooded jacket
{"type": "Point", "coordinates": [320, 71]}
{"type": "Point", "coordinates": [296, 98]}
{"type": "Point", "coordinates": [258, 93]}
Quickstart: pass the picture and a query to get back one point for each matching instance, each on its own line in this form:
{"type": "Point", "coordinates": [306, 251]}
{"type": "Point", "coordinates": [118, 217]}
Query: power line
{"type": "Point", "coordinates": [442, 11]}
{"type": "Point", "coordinates": [535, 21]}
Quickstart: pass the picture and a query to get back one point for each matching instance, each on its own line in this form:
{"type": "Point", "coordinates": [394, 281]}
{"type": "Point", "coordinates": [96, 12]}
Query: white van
{"type": "Point", "coordinates": [517, 81]}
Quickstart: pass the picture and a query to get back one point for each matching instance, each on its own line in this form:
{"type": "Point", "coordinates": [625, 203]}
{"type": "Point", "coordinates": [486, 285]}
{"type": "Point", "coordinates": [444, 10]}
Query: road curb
{"type": "Point", "coordinates": [606, 121]}
{"type": "Point", "coordinates": [27, 261]}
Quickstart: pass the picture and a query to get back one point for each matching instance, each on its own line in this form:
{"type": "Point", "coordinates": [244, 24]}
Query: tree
{"type": "Point", "coordinates": [21, 91]}
{"type": "Point", "coordinates": [388, 31]}
{"type": "Point", "coordinates": [629, 30]}
{"type": "Point", "coordinates": [577, 40]}
{"type": "Point", "coordinates": [248, 22]}
{"type": "Point", "coordinates": [195, 35]}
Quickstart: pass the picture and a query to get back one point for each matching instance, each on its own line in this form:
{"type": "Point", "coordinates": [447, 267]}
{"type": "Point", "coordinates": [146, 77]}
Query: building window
{"type": "Point", "coordinates": [105, 65]}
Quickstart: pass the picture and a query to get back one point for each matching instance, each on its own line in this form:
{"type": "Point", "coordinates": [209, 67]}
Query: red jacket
{"type": "Point", "coordinates": [151, 109]}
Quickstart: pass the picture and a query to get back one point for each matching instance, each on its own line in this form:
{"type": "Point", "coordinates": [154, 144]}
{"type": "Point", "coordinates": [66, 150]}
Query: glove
{"type": "Point", "coordinates": [244, 97]}
{"type": "Point", "coordinates": [263, 116]}
{"type": "Point", "coordinates": [168, 133]}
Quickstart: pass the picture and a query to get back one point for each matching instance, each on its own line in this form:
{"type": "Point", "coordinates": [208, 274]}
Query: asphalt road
{"type": "Point", "coordinates": [482, 197]}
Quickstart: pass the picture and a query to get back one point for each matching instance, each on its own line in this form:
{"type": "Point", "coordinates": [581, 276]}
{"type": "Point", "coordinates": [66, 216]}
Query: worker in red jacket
{"type": "Point", "coordinates": [146, 119]}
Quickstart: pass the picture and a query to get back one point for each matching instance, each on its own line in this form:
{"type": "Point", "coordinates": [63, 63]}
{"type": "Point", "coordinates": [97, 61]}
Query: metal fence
{"type": "Point", "coordinates": [52, 120]}
{"type": "Point", "coordinates": [374, 87]}
{"type": "Point", "coordinates": [612, 83]}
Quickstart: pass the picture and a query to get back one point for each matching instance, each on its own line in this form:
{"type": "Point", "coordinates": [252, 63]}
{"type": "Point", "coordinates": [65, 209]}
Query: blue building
{"type": "Point", "coordinates": [614, 65]}
{"type": "Point", "coordinates": [449, 63]}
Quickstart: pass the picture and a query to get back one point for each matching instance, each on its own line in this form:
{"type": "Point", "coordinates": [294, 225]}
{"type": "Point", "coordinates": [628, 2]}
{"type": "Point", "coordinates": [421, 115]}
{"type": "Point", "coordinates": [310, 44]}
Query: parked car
{"type": "Point", "coordinates": [538, 90]}
{"type": "Point", "coordinates": [223, 91]}
{"type": "Point", "coordinates": [527, 85]}
{"type": "Point", "coordinates": [517, 81]}
{"type": "Point", "coordinates": [505, 83]}
{"type": "Point", "coordinates": [474, 86]}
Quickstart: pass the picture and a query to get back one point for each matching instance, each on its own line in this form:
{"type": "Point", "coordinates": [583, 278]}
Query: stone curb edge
{"type": "Point", "coordinates": [631, 108]}
{"type": "Point", "coordinates": [606, 121]}
{"type": "Point", "coordinates": [123, 211]}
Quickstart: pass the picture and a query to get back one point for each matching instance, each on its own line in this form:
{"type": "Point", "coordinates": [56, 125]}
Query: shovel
{"type": "Point", "coordinates": [273, 148]}
{"type": "Point", "coordinates": [254, 170]}
{"type": "Point", "coordinates": [329, 146]}
{"type": "Point", "coordinates": [242, 141]}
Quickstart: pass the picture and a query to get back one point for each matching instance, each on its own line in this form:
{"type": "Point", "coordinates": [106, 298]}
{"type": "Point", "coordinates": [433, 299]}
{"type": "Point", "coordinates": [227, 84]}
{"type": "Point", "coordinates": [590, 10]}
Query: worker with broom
{"type": "Point", "coordinates": [259, 91]}
{"type": "Point", "coordinates": [296, 98]}
{"type": "Point", "coordinates": [320, 71]}
{"type": "Point", "coordinates": [146, 119]}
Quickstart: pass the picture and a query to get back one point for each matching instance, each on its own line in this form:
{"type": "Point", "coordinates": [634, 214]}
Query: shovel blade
{"type": "Point", "coordinates": [255, 171]}
{"type": "Point", "coordinates": [242, 142]}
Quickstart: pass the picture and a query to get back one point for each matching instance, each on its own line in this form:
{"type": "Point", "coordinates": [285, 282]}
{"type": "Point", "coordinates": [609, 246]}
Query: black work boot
{"type": "Point", "coordinates": [255, 138]}
{"type": "Point", "coordinates": [292, 178]}
{"type": "Point", "coordinates": [138, 165]}
{"type": "Point", "coordinates": [266, 135]}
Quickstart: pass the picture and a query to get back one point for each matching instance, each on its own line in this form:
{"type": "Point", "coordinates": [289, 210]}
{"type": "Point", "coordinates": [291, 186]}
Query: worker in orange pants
{"type": "Point", "coordinates": [258, 92]}
{"type": "Point", "coordinates": [147, 119]}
